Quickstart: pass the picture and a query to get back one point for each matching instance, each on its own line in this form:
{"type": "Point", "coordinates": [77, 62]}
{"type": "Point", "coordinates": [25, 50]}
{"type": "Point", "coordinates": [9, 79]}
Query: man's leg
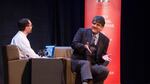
{"type": "Point", "coordinates": [85, 69]}
{"type": "Point", "coordinates": [100, 73]}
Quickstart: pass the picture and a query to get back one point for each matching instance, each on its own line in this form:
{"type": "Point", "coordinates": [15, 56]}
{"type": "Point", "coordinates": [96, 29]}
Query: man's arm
{"type": "Point", "coordinates": [25, 48]}
{"type": "Point", "coordinates": [77, 41]}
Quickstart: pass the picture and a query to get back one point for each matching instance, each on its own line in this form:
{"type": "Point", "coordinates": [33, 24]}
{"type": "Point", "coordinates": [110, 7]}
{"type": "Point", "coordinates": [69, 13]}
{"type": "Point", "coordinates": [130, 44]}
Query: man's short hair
{"type": "Point", "coordinates": [22, 23]}
{"type": "Point", "coordinates": [99, 19]}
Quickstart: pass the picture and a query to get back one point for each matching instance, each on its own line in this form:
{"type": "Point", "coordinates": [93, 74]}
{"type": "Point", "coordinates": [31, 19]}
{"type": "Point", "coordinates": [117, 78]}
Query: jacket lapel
{"type": "Point", "coordinates": [88, 35]}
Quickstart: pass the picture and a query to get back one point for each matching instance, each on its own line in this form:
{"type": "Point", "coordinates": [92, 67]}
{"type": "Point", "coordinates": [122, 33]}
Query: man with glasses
{"type": "Point", "coordinates": [90, 57]}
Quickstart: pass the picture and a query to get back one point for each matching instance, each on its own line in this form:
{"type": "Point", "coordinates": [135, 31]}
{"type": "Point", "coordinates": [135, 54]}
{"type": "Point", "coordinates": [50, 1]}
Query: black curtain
{"type": "Point", "coordinates": [66, 17]}
{"type": "Point", "coordinates": [55, 21]}
{"type": "Point", "coordinates": [135, 42]}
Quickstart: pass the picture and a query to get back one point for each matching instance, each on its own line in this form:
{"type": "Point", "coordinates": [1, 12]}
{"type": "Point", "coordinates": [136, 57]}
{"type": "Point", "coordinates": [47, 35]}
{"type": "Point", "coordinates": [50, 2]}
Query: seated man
{"type": "Point", "coordinates": [89, 58]}
{"type": "Point", "coordinates": [21, 40]}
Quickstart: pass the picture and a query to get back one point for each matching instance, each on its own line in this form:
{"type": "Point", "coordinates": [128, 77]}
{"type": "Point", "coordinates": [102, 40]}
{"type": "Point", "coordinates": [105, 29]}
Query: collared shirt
{"type": "Point", "coordinates": [24, 46]}
{"type": "Point", "coordinates": [96, 38]}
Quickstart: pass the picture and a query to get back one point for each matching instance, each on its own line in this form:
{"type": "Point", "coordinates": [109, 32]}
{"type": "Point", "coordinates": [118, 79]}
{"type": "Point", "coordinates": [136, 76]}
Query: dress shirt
{"type": "Point", "coordinates": [96, 38]}
{"type": "Point", "coordinates": [25, 50]}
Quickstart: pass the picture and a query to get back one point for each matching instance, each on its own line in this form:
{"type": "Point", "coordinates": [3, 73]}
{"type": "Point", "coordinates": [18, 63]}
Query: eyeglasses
{"type": "Point", "coordinates": [97, 24]}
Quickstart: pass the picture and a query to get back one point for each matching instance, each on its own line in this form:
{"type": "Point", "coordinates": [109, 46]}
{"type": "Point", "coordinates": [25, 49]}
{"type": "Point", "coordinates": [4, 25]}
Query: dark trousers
{"type": "Point", "coordinates": [97, 73]}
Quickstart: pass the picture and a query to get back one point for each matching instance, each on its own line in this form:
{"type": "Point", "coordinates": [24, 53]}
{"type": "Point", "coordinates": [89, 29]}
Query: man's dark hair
{"type": "Point", "coordinates": [22, 23]}
{"type": "Point", "coordinates": [99, 19]}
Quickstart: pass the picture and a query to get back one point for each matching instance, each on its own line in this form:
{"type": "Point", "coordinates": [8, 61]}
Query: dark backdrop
{"type": "Point", "coordinates": [135, 42]}
{"type": "Point", "coordinates": [56, 21]}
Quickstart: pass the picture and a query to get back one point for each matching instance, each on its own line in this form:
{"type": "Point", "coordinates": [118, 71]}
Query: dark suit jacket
{"type": "Point", "coordinates": [81, 38]}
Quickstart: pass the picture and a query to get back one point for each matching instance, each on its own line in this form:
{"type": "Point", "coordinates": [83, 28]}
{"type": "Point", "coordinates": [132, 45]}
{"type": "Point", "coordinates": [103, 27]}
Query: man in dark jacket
{"type": "Point", "coordinates": [90, 58]}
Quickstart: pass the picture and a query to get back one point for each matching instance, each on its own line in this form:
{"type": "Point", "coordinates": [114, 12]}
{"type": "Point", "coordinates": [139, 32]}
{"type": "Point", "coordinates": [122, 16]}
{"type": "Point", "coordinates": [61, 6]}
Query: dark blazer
{"type": "Point", "coordinates": [81, 38]}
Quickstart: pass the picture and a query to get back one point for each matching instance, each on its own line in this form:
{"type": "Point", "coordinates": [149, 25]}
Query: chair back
{"type": "Point", "coordinates": [12, 52]}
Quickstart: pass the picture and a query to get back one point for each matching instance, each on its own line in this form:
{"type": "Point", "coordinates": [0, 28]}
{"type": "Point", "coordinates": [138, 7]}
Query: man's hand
{"type": "Point", "coordinates": [87, 47]}
{"type": "Point", "coordinates": [106, 57]}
